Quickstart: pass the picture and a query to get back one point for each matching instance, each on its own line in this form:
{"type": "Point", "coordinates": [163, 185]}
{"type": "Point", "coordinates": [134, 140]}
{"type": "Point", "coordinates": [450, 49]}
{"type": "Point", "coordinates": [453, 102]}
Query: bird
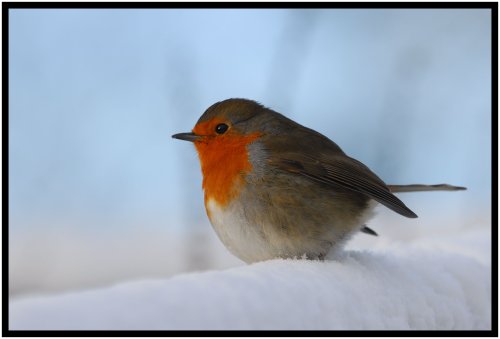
{"type": "Point", "coordinates": [276, 189]}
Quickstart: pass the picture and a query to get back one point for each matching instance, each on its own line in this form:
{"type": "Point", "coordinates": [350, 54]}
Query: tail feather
{"type": "Point", "coordinates": [424, 188]}
{"type": "Point", "coordinates": [368, 230]}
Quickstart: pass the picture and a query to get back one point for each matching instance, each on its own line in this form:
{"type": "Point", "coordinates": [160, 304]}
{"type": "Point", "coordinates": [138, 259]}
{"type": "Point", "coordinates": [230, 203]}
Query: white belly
{"type": "Point", "coordinates": [240, 237]}
{"type": "Point", "coordinates": [258, 241]}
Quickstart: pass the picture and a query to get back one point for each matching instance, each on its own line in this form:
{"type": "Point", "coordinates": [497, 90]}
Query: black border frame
{"type": "Point", "coordinates": [6, 6]}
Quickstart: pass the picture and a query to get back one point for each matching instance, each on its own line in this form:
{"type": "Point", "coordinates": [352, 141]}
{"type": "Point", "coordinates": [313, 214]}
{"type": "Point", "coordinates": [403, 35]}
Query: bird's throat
{"type": "Point", "coordinates": [224, 164]}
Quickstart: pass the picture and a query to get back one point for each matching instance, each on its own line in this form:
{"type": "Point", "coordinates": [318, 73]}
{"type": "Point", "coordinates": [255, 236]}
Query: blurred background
{"type": "Point", "coordinates": [100, 193]}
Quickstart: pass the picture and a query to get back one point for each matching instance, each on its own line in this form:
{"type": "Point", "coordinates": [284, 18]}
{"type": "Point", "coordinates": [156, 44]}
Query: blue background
{"type": "Point", "coordinates": [95, 95]}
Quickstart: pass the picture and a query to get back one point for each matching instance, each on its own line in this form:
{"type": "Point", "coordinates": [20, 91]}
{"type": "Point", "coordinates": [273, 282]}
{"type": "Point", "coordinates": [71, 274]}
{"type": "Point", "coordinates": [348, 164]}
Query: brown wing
{"type": "Point", "coordinates": [339, 169]}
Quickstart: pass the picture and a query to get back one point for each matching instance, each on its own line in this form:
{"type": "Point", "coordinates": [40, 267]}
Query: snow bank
{"type": "Point", "coordinates": [403, 288]}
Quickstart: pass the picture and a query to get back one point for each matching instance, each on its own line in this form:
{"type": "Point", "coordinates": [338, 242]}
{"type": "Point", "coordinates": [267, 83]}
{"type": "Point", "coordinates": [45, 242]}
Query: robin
{"type": "Point", "coordinates": [276, 189]}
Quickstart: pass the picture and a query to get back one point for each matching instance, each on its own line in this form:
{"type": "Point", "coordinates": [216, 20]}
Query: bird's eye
{"type": "Point", "coordinates": [221, 128]}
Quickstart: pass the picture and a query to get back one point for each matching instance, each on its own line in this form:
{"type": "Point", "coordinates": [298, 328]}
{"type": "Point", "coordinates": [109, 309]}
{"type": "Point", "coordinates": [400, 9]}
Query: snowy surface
{"type": "Point", "coordinates": [429, 283]}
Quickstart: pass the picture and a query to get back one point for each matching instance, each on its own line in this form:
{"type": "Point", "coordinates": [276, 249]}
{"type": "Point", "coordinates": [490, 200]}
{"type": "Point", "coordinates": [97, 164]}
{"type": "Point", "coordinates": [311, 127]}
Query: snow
{"type": "Point", "coordinates": [426, 284]}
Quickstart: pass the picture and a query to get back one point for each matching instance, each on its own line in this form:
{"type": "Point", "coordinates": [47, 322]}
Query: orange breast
{"type": "Point", "coordinates": [224, 163]}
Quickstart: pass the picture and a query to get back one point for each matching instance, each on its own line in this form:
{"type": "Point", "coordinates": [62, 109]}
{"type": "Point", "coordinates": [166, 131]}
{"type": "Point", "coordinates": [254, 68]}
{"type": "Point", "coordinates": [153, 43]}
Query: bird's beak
{"type": "Point", "coordinates": [186, 136]}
